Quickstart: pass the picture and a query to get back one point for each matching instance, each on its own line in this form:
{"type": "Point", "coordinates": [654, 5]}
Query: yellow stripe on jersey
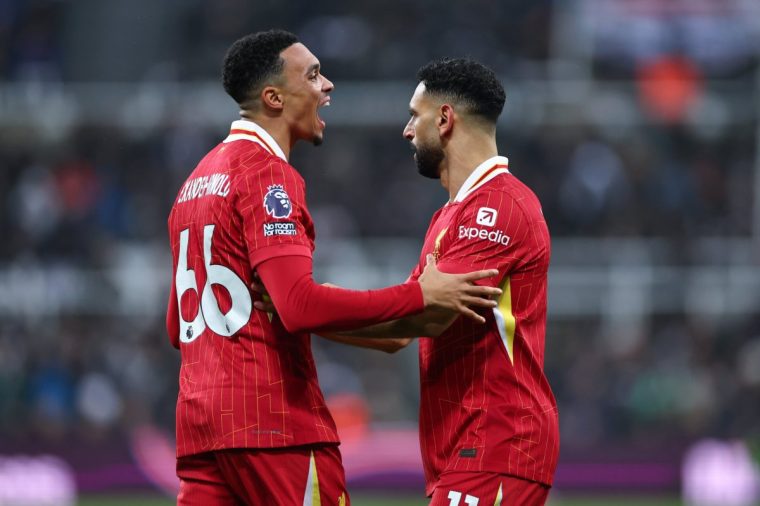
{"type": "Point", "coordinates": [505, 320]}
{"type": "Point", "coordinates": [497, 502]}
{"type": "Point", "coordinates": [440, 236]}
{"type": "Point", "coordinates": [311, 497]}
{"type": "Point", "coordinates": [267, 298]}
{"type": "Point", "coordinates": [437, 248]}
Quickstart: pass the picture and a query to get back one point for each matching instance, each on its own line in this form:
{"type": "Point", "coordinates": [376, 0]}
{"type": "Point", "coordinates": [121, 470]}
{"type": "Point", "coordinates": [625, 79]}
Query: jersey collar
{"type": "Point", "coordinates": [482, 174]}
{"type": "Point", "coordinates": [244, 129]}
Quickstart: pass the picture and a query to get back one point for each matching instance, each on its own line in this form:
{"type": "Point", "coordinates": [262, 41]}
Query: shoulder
{"type": "Point", "coordinates": [249, 158]}
{"type": "Point", "coordinates": [255, 170]}
{"type": "Point", "coordinates": [504, 195]}
{"type": "Point", "coordinates": [275, 168]}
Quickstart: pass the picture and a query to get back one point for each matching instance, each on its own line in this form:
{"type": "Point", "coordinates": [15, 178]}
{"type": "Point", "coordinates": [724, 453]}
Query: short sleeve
{"type": "Point", "coordinates": [488, 232]}
{"type": "Point", "coordinates": [272, 204]}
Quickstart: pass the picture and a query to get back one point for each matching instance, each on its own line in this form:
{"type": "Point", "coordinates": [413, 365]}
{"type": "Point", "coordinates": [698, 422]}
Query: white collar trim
{"type": "Point", "coordinates": [244, 129]}
{"type": "Point", "coordinates": [475, 180]}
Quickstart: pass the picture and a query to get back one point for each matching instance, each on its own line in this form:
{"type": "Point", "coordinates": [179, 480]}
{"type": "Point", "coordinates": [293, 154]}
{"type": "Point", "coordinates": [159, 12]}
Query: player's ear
{"type": "Point", "coordinates": [271, 97]}
{"type": "Point", "coordinates": [445, 120]}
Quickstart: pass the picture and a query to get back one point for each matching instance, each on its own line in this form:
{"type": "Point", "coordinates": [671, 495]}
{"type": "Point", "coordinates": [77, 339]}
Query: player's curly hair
{"type": "Point", "coordinates": [468, 82]}
{"type": "Point", "coordinates": [253, 60]}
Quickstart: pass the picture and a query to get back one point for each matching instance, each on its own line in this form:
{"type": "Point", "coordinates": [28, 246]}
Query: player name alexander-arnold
{"type": "Point", "coordinates": [213, 184]}
{"type": "Point", "coordinates": [496, 236]}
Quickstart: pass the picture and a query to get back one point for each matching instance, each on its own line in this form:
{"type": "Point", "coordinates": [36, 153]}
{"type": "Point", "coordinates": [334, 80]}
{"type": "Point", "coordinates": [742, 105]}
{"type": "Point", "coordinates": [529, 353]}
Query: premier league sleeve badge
{"type": "Point", "coordinates": [278, 205]}
{"type": "Point", "coordinates": [277, 202]}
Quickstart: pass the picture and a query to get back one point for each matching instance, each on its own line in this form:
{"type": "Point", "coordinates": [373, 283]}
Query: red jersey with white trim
{"type": "Point", "coordinates": [486, 404]}
{"type": "Point", "coordinates": [244, 380]}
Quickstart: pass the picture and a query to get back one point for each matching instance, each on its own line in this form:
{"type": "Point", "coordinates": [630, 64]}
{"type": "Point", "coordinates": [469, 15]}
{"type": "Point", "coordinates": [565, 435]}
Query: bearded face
{"type": "Point", "coordinates": [421, 131]}
{"type": "Point", "coordinates": [428, 158]}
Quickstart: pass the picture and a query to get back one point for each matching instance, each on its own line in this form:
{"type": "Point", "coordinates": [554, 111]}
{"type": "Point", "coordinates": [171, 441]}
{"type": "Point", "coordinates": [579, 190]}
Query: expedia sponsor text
{"type": "Point", "coordinates": [496, 236]}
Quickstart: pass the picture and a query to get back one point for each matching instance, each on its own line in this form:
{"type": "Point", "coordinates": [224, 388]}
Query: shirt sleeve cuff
{"type": "Point", "coordinates": [418, 298]}
{"type": "Point", "coordinates": [278, 250]}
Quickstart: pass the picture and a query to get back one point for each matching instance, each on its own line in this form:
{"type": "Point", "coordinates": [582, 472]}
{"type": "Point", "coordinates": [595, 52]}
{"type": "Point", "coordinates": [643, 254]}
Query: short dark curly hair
{"type": "Point", "coordinates": [472, 84]}
{"type": "Point", "coordinates": [253, 60]}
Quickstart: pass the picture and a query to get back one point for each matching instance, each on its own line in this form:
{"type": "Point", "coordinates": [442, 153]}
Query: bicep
{"type": "Point", "coordinates": [281, 274]}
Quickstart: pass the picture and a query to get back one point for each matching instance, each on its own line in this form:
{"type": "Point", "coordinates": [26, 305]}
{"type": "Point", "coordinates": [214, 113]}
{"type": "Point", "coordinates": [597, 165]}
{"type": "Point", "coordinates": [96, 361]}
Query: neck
{"type": "Point", "coordinates": [463, 154]}
{"type": "Point", "coordinates": [274, 126]}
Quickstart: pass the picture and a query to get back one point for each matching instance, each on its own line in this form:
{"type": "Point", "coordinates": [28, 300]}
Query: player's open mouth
{"type": "Point", "coordinates": [325, 103]}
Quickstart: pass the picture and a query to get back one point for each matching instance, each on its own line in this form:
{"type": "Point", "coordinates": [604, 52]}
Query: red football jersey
{"type": "Point", "coordinates": [485, 402]}
{"type": "Point", "coordinates": [244, 380]}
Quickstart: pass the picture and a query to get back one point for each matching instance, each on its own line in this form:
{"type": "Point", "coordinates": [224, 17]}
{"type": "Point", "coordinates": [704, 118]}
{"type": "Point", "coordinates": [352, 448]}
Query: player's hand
{"type": "Point", "coordinates": [265, 304]}
{"type": "Point", "coordinates": [457, 292]}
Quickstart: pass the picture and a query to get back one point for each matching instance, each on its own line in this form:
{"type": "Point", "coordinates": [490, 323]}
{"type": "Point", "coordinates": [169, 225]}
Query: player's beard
{"type": "Point", "coordinates": [428, 160]}
{"type": "Point", "coordinates": [317, 140]}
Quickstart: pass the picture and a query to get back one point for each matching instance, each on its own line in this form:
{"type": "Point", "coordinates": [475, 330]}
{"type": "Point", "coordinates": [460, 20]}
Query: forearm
{"type": "Point", "coordinates": [388, 345]}
{"type": "Point", "coordinates": [304, 306]}
{"type": "Point", "coordinates": [430, 323]}
{"type": "Point", "coordinates": [394, 335]}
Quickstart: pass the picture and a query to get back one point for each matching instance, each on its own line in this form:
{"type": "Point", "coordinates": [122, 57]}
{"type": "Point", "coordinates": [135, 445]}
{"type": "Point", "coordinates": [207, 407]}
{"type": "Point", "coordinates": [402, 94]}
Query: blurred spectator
{"type": "Point", "coordinates": [35, 45]}
{"type": "Point", "coordinates": [86, 212]}
{"type": "Point", "coordinates": [673, 384]}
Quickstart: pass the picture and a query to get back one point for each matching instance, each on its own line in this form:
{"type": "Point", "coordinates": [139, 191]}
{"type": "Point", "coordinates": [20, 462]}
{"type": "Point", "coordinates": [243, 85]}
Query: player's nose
{"type": "Point", "coordinates": [408, 131]}
{"type": "Point", "coordinates": [327, 85]}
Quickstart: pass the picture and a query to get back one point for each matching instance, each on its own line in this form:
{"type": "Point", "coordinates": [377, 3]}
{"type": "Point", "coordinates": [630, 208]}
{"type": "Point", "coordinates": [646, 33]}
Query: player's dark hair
{"type": "Point", "coordinates": [252, 61]}
{"type": "Point", "coordinates": [468, 82]}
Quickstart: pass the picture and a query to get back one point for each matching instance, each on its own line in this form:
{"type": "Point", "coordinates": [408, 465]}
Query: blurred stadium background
{"type": "Point", "coordinates": [635, 122]}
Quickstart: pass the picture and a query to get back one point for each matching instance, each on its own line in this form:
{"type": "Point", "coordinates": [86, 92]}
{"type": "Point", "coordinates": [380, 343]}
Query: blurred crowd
{"type": "Point", "coordinates": [71, 199]}
{"type": "Point", "coordinates": [85, 201]}
{"type": "Point", "coordinates": [183, 39]}
{"type": "Point", "coordinates": [45, 39]}
{"type": "Point", "coordinates": [77, 204]}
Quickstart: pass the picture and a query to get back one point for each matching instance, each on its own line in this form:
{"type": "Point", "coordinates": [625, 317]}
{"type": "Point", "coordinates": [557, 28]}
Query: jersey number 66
{"type": "Point", "coordinates": [209, 315]}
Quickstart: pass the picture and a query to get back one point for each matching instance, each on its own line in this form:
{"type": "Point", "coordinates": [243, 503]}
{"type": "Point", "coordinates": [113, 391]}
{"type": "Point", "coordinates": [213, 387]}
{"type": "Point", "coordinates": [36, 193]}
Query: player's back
{"type": "Point", "coordinates": [244, 380]}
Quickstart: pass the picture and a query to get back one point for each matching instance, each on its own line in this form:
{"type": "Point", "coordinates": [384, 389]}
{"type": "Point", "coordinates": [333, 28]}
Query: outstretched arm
{"type": "Point", "coordinates": [304, 305]}
{"type": "Point", "coordinates": [397, 334]}
{"type": "Point", "coordinates": [388, 336]}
